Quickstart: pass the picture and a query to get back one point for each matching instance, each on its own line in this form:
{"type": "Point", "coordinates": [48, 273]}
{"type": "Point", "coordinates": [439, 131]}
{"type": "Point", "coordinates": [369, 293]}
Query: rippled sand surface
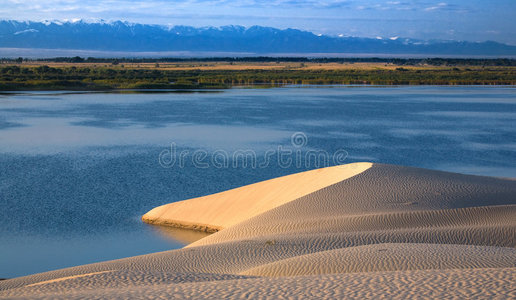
{"type": "Point", "coordinates": [355, 231]}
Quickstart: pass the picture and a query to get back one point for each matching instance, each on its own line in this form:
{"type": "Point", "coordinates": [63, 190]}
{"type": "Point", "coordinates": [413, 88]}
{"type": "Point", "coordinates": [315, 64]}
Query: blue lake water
{"type": "Point", "coordinates": [77, 170]}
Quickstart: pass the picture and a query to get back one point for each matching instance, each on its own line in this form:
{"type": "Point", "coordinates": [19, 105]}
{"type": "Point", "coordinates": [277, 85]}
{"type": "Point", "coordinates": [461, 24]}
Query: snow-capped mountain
{"type": "Point", "coordinates": [124, 36]}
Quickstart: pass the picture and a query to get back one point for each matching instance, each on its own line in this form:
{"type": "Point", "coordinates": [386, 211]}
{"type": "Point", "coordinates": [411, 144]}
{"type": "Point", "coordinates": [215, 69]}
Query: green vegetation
{"type": "Point", "coordinates": [96, 78]}
{"type": "Point", "coordinates": [87, 77]}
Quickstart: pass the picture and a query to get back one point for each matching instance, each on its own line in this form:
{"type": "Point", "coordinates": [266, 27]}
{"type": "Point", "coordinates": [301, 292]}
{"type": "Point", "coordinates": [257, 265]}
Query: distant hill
{"type": "Point", "coordinates": [129, 37]}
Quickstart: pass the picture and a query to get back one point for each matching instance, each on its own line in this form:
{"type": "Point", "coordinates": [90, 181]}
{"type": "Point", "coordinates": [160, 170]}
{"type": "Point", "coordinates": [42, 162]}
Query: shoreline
{"type": "Point", "coordinates": [172, 89]}
{"type": "Point", "coordinates": [253, 86]}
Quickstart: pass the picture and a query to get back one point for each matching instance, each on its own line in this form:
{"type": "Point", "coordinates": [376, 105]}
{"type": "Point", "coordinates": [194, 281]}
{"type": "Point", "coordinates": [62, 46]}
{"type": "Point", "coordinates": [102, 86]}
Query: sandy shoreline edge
{"type": "Point", "coordinates": [352, 231]}
{"type": "Point", "coordinates": [233, 206]}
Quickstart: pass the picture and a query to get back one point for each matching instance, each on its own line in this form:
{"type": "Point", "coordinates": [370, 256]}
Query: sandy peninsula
{"type": "Point", "coordinates": [359, 230]}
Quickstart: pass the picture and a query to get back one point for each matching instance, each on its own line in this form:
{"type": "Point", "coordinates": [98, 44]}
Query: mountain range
{"type": "Point", "coordinates": [255, 40]}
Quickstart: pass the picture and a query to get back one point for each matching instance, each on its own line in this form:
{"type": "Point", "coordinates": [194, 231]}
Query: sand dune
{"type": "Point", "coordinates": [389, 257]}
{"type": "Point", "coordinates": [231, 207]}
{"type": "Point", "coordinates": [457, 226]}
{"type": "Point", "coordinates": [359, 230]}
{"type": "Point", "coordinates": [496, 283]}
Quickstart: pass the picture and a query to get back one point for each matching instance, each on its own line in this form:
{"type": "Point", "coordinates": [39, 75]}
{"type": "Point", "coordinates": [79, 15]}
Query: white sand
{"type": "Point", "coordinates": [356, 231]}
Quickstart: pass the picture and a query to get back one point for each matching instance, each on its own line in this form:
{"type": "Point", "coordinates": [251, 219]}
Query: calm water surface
{"type": "Point", "coordinates": [77, 170]}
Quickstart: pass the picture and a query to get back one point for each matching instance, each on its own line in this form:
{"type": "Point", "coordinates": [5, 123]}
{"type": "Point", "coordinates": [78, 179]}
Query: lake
{"type": "Point", "coordinates": [78, 170]}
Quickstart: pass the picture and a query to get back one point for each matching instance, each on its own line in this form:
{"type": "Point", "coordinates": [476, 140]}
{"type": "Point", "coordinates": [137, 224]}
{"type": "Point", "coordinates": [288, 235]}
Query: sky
{"type": "Point", "coordinates": [471, 20]}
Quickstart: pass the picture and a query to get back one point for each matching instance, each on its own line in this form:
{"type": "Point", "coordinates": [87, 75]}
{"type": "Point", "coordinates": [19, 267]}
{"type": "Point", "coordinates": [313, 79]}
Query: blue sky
{"type": "Point", "coordinates": [473, 20]}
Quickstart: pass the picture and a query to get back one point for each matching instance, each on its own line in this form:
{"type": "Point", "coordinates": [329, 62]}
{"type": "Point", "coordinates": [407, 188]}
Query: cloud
{"type": "Point", "coordinates": [102, 5]}
{"type": "Point", "coordinates": [436, 7]}
{"type": "Point", "coordinates": [385, 6]}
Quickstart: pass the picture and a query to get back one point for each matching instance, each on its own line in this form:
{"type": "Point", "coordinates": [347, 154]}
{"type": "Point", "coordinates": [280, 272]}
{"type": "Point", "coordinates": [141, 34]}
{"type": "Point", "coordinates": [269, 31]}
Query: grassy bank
{"type": "Point", "coordinates": [217, 75]}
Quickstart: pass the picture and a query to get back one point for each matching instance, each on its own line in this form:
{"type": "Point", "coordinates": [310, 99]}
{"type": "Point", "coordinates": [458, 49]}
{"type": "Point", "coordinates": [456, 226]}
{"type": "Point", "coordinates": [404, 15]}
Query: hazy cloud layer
{"type": "Point", "coordinates": [474, 20]}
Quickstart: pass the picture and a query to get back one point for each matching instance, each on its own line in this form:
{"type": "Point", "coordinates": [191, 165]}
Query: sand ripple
{"type": "Point", "coordinates": [359, 231]}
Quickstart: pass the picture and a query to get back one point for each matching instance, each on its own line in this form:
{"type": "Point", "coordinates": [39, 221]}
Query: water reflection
{"type": "Point", "coordinates": [184, 236]}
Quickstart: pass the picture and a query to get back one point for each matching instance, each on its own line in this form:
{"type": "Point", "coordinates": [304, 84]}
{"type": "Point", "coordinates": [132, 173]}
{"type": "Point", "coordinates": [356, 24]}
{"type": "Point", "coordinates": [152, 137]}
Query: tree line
{"type": "Point", "coordinates": [395, 61]}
